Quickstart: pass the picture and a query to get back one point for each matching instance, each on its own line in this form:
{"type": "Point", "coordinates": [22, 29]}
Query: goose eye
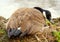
{"type": "Point", "coordinates": [19, 28]}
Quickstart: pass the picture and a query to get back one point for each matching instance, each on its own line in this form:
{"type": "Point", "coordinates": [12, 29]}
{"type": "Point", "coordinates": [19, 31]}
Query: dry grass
{"type": "Point", "coordinates": [44, 36]}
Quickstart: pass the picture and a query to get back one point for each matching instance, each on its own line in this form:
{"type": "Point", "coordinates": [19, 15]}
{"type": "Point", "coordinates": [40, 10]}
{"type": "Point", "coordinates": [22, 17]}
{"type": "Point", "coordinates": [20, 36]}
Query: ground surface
{"type": "Point", "coordinates": [51, 34]}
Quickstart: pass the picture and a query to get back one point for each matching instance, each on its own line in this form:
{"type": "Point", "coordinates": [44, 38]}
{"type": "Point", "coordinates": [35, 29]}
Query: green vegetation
{"type": "Point", "coordinates": [3, 36]}
{"type": "Point", "coordinates": [2, 31]}
{"type": "Point", "coordinates": [56, 34]}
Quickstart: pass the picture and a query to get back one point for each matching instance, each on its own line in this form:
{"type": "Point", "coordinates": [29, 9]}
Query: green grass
{"type": "Point", "coordinates": [56, 34]}
{"type": "Point", "coordinates": [3, 36]}
{"type": "Point", "coordinates": [2, 31]}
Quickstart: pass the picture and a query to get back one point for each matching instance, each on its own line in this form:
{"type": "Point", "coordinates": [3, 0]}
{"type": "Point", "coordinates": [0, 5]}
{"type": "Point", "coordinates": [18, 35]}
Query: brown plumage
{"type": "Point", "coordinates": [30, 20]}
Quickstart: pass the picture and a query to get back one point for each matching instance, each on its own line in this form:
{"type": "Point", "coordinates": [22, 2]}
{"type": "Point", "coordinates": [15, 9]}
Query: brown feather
{"type": "Point", "coordinates": [28, 19]}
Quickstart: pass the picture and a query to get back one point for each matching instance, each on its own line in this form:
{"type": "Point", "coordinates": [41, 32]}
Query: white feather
{"type": "Point", "coordinates": [19, 28]}
{"type": "Point", "coordinates": [44, 14]}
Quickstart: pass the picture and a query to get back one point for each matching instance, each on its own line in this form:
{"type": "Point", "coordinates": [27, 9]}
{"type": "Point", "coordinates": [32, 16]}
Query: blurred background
{"type": "Point", "coordinates": [7, 7]}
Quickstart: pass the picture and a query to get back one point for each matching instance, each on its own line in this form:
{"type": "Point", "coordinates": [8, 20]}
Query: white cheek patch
{"type": "Point", "coordinates": [19, 28]}
{"type": "Point", "coordinates": [44, 14]}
